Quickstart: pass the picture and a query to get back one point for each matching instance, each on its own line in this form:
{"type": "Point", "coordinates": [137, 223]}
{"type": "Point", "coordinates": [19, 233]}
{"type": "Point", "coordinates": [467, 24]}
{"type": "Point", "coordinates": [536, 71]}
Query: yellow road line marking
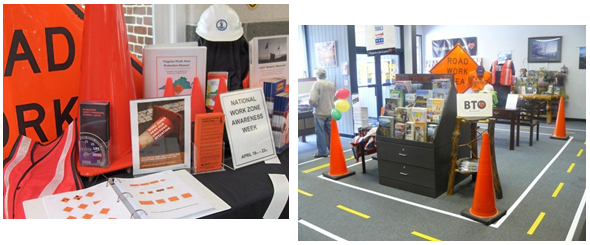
{"type": "Point", "coordinates": [316, 168]}
{"type": "Point", "coordinates": [304, 193]}
{"type": "Point", "coordinates": [322, 166]}
{"type": "Point", "coordinates": [557, 189]}
{"type": "Point", "coordinates": [537, 222]}
{"type": "Point", "coordinates": [580, 152]}
{"type": "Point", "coordinates": [353, 212]}
{"type": "Point", "coordinates": [569, 170]}
{"type": "Point", "coordinates": [429, 238]}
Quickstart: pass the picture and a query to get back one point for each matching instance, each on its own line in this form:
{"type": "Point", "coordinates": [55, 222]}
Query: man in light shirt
{"type": "Point", "coordinates": [321, 99]}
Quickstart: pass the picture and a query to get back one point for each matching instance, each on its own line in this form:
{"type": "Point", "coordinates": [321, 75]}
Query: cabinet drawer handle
{"type": "Point", "coordinates": [403, 154]}
{"type": "Point", "coordinates": [404, 174]}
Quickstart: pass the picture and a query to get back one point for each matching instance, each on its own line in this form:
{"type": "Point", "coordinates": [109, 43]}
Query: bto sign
{"type": "Point", "coordinates": [474, 106]}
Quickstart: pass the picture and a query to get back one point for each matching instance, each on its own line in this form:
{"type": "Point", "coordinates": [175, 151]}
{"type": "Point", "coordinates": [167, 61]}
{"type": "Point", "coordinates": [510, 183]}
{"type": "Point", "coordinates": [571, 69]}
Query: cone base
{"type": "Point", "coordinates": [337, 177]}
{"type": "Point", "coordinates": [485, 220]}
{"type": "Point", "coordinates": [559, 138]}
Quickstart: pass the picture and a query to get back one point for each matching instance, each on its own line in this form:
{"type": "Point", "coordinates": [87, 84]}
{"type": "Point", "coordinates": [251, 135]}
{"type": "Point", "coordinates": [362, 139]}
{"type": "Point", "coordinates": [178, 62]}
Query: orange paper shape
{"type": "Point", "coordinates": [170, 187]}
{"type": "Point", "coordinates": [186, 195]}
{"type": "Point", "coordinates": [96, 202]}
{"type": "Point", "coordinates": [77, 197]}
{"type": "Point", "coordinates": [105, 210]}
{"type": "Point", "coordinates": [71, 217]}
{"type": "Point", "coordinates": [146, 202]}
{"type": "Point", "coordinates": [65, 199]}
{"type": "Point", "coordinates": [154, 182]}
{"type": "Point", "coordinates": [90, 194]}
{"type": "Point", "coordinates": [87, 216]}
{"type": "Point", "coordinates": [68, 209]}
{"type": "Point", "coordinates": [173, 199]}
{"type": "Point", "coordinates": [83, 206]}
{"type": "Point", "coordinates": [459, 63]}
{"type": "Point", "coordinates": [160, 201]}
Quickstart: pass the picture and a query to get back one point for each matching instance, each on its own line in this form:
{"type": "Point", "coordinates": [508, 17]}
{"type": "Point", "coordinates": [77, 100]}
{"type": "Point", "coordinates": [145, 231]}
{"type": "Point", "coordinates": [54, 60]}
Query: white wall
{"type": "Point", "coordinates": [492, 39]}
{"type": "Point", "coordinates": [262, 13]}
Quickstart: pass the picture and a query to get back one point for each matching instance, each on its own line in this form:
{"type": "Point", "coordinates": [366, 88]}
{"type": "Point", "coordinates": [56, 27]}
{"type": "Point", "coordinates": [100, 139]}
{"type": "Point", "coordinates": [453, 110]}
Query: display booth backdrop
{"type": "Point", "coordinates": [492, 39]}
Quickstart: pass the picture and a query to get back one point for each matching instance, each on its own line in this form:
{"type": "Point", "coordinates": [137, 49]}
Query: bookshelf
{"type": "Point", "coordinates": [422, 167]}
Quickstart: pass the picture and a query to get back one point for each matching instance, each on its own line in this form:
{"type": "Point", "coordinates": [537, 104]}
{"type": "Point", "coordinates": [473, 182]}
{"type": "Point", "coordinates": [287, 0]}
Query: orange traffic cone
{"type": "Point", "coordinates": [338, 169]}
{"type": "Point", "coordinates": [484, 202]}
{"type": "Point", "coordinates": [169, 89]}
{"type": "Point", "coordinates": [106, 74]}
{"type": "Point", "coordinates": [559, 132]}
{"type": "Point", "coordinates": [246, 82]}
{"type": "Point", "coordinates": [197, 101]}
{"type": "Point", "coordinates": [220, 90]}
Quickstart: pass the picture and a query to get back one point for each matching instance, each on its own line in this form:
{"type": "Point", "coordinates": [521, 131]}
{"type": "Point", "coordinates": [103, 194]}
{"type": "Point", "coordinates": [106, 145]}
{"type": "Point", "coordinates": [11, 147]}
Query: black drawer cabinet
{"type": "Point", "coordinates": [421, 167]}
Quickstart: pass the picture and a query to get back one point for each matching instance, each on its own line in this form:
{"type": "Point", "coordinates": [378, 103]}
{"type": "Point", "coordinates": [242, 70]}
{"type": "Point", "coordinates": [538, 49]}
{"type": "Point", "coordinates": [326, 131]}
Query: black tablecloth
{"type": "Point", "coordinates": [247, 190]}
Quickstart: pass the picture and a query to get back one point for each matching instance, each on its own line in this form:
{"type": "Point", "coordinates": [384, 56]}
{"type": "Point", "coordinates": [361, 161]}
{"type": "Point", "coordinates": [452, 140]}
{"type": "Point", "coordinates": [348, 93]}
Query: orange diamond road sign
{"type": "Point", "coordinates": [456, 62]}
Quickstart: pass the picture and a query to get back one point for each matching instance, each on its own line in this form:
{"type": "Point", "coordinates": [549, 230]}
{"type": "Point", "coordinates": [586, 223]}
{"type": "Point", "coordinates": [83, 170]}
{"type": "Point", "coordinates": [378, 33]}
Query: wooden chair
{"type": "Point", "coordinates": [529, 111]}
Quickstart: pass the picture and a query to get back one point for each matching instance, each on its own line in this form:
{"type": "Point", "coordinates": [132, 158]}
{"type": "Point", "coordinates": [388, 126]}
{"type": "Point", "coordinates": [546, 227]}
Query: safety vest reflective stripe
{"type": "Point", "coordinates": [22, 151]}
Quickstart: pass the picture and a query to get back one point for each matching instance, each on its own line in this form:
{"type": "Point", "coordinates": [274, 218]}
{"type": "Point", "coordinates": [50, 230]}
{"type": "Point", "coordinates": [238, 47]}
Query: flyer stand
{"type": "Point", "coordinates": [206, 160]}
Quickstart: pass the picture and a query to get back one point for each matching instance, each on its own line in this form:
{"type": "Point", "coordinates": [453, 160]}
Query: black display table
{"type": "Point", "coordinates": [247, 190]}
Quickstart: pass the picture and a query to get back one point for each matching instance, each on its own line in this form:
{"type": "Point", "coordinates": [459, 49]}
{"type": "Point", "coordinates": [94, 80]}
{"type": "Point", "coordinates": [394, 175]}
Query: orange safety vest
{"type": "Point", "coordinates": [33, 170]}
{"type": "Point", "coordinates": [506, 77]}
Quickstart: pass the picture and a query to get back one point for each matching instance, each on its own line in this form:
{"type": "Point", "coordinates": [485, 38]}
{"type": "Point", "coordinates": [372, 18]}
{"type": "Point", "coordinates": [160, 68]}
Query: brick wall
{"type": "Point", "coordinates": [140, 27]}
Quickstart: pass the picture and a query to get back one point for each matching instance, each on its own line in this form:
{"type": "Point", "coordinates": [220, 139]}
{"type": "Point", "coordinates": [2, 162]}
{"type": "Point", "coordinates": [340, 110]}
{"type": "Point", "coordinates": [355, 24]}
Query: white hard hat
{"type": "Point", "coordinates": [220, 23]}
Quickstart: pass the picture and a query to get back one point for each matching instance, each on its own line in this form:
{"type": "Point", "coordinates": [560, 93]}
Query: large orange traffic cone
{"type": "Point", "coordinates": [220, 90]}
{"type": "Point", "coordinates": [484, 202]}
{"type": "Point", "coordinates": [338, 169]}
{"type": "Point", "coordinates": [559, 132]}
{"type": "Point", "coordinates": [197, 99]}
{"type": "Point", "coordinates": [106, 74]}
{"type": "Point", "coordinates": [169, 89]}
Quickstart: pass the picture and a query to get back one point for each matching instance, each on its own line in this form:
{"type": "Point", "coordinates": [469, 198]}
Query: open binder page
{"type": "Point", "coordinates": [162, 196]}
{"type": "Point", "coordinates": [97, 202]}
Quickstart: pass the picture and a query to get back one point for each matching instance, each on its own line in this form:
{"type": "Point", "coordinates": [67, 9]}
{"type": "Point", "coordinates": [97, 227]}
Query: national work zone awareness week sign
{"type": "Point", "coordinates": [456, 62]}
{"type": "Point", "coordinates": [248, 127]}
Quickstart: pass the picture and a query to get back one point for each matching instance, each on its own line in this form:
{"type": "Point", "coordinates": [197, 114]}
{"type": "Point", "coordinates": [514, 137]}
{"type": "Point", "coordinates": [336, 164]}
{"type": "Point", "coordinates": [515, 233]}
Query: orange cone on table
{"type": "Point", "coordinates": [559, 132]}
{"type": "Point", "coordinates": [197, 99]}
{"type": "Point", "coordinates": [484, 208]}
{"type": "Point", "coordinates": [169, 89]}
{"type": "Point", "coordinates": [106, 75]}
{"type": "Point", "coordinates": [338, 169]}
{"type": "Point", "coordinates": [220, 90]}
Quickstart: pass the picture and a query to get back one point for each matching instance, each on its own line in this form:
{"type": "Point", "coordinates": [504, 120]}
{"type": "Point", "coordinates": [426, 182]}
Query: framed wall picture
{"type": "Point", "coordinates": [160, 130]}
{"type": "Point", "coordinates": [326, 54]}
{"type": "Point", "coordinates": [544, 49]}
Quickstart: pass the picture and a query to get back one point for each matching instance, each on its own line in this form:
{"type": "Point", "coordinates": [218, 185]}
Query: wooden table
{"type": "Point", "coordinates": [514, 116]}
{"type": "Point", "coordinates": [545, 97]}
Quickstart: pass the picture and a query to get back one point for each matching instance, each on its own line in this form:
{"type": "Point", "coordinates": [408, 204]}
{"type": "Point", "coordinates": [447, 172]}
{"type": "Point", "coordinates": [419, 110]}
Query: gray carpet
{"type": "Point", "coordinates": [392, 218]}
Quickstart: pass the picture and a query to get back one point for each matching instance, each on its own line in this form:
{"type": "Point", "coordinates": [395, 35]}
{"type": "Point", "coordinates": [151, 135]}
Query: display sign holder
{"type": "Point", "coordinates": [160, 134]}
{"type": "Point", "coordinates": [204, 159]}
{"type": "Point", "coordinates": [248, 127]}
